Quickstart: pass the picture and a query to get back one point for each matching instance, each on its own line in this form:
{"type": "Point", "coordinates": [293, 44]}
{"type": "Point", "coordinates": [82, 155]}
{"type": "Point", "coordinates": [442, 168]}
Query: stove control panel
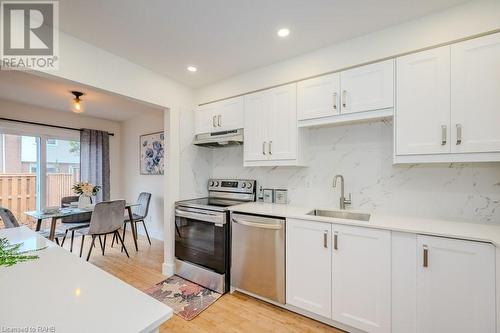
{"type": "Point", "coordinates": [232, 185]}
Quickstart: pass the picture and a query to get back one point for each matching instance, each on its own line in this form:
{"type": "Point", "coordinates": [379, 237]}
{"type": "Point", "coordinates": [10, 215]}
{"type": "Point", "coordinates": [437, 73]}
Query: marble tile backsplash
{"type": "Point", "coordinates": [362, 153]}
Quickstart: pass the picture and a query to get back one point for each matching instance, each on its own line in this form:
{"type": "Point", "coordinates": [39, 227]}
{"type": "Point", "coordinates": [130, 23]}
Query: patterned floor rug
{"type": "Point", "coordinates": [186, 298]}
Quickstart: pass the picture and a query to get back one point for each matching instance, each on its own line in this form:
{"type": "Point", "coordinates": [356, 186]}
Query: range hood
{"type": "Point", "coordinates": [219, 139]}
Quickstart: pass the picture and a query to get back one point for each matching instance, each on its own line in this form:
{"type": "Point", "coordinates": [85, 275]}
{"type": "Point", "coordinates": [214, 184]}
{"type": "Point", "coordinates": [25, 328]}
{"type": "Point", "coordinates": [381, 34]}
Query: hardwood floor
{"type": "Point", "coordinates": [232, 313]}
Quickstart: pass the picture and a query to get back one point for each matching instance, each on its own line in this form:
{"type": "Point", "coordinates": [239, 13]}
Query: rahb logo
{"type": "Point", "coordinates": [29, 35]}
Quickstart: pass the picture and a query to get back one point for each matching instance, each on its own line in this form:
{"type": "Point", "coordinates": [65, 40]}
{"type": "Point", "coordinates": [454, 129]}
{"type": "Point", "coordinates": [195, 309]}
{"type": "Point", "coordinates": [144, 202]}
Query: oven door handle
{"type": "Point", "coordinates": [205, 217]}
{"type": "Point", "coordinates": [257, 225]}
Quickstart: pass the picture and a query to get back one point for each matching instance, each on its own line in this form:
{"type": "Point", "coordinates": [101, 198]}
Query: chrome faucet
{"type": "Point", "coordinates": [343, 200]}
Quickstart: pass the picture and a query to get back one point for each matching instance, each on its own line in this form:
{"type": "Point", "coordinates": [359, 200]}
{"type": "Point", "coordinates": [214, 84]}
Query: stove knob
{"type": "Point", "coordinates": [243, 185]}
{"type": "Point", "coordinates": [216, 184]}
{"type": "Point", "coordinates": [249, 185]}
{"type": "Point", "coordinates": [212, 183]}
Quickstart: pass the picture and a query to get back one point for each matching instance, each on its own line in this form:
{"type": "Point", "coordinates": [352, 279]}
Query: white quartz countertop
{"type": "Point", "coordinates": [436, 227]}
{"type": "Point", "coordinates": [60, 292]}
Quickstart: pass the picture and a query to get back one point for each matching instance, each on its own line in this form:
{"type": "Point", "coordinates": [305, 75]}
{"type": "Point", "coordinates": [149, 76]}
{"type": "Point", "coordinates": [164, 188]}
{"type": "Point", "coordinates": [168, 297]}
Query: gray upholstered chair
{"type": "Point", "coordinates": [10, 221]}
{"type": "Point", "coordinates": [139, 214]}
{"type": "Point", "coordinates": [74, 222]}
{"type": "Point", "coordinates": [107, 218]}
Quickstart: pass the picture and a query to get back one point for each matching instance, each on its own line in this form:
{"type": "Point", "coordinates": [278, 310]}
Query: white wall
{"type": "Point", "coordinates": [86, 64]}
{"type": "Point", "coordinates": [132, 182]}
{"type": "Point", "coordinates": [469, 19]}
{"type": "Point", "coordinates": [15, 110]}
{"type": "Point", "coordinates": [362, 153]}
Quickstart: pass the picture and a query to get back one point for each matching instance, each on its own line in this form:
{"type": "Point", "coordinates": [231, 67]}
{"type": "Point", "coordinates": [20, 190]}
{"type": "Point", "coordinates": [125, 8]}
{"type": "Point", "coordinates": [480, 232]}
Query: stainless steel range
{"type": "Point", "coordinates": [202, 244]}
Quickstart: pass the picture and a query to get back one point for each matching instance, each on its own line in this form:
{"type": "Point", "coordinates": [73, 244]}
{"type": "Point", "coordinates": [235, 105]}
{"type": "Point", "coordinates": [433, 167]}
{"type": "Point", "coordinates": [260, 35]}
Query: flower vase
{"type": "Point", "coordinates": [84, 201]}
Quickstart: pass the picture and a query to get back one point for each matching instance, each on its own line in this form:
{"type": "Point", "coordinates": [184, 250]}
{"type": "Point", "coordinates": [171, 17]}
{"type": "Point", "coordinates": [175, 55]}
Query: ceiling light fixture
{"type": "Point", "coordinates": [77, 102]}
{"type": "Point", "coordinates": [283, 32]}
{"type": "Point", "coordinates": [192, 69]}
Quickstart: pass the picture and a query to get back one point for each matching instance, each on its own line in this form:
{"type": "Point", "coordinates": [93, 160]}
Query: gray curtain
{"type": "Point", "coordinates": [94, 160]}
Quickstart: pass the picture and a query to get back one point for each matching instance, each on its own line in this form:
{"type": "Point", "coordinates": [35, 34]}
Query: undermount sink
{"type": "Point", "coordinates": [340, 214]}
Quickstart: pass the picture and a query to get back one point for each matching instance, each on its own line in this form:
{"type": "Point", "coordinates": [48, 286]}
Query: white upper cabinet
{"type": "Point", "coordinates": [271, 134]}
{"type": "Point", "coordinates": [475, 95]}
{"type": "Point", "coordinates": [318, 97]}
{"type": "Point", "coordinates": [220, 116]}
{"type": "Point", "coordinates": [447, 103]}
{"type": "Point", "coordinates": [347, 95]}
{"type": "Point", "coordinates": [282, 123]}
{"type": "Point", "coordinates": [422, 102]}
{"type": "Point", "coordinates": [255, 132]}
{"type": "Point", "coordinates": [455, 286]}
{"type": "Point", "coordinates": [367, 88]}
{"type": "Point", "coordinates": [309, 256]}
{"type": "Point", "coordinates": [362, 278]}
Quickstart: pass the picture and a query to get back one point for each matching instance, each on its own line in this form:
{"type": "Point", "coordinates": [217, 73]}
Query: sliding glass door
{"type": "Point", "coordinates": [36, 171]}
{"type": "Point", "coordinates": [62, 169]}
{"type": "Point", "coordinates": [19, 178]}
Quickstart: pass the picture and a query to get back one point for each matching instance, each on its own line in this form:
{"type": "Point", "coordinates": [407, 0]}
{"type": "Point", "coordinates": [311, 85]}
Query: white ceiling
{"type": "Point", "coordinates": [55, 94]}
{"type": "Point", "coordinates": [227, 37]}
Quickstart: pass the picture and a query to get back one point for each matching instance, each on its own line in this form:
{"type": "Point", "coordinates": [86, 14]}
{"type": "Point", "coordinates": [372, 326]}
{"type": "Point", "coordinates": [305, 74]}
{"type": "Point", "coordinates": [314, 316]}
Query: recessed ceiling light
{"type": "Point", "coordinates": [283, 32]}
{"type": "Point", "coordinates": [192, 69]}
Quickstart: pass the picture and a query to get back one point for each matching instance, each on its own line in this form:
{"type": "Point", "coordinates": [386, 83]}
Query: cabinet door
{"type": "Point", "coordinates": [362, 278]}
{"type": "Point", "coordinates": [475, 95]}
{"type": "Point", "coordinates": [318, 97]}
{"type": "Point", "coordinates": [367, 88]}
{"type": "Point", "coordinates": [230, 114]}
{"type": "Point", "coordinates": [255, 130]}
{"type": "Point", "coordinates": [309, 266]}
{"type": "Point", "coordinates": [455, 286]}
{"type": "Point", "coordinates": [423, 102]}
{"type": "Point", "coordinates": [282, 123]}
{"type": "Point", "coordinates": [205, 119]}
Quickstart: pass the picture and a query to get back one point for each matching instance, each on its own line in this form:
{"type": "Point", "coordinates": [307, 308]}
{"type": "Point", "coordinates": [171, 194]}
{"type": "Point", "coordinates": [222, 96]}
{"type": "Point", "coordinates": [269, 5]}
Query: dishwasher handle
{"type": "Point", "coordinates": [257, 225]}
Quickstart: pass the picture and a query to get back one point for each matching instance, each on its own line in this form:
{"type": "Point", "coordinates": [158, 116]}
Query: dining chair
{"type": "Point", "coordinates": [107, 218]}
{"type": "Point", "coordinates": [10, 221]}
{"type": "Point", "coordinates": [139, 214]}
{"type": "Point", "coordinates": [74, 222]}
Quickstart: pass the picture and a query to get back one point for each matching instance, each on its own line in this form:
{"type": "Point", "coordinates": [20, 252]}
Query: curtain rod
{"type": "Point", "coordinates": [47, 125]}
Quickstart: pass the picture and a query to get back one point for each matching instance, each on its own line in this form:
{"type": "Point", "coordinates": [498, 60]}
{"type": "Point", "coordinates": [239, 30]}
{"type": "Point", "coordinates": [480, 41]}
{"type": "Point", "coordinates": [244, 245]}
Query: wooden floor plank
{"type": "Point", "coordinates": [232, 313]}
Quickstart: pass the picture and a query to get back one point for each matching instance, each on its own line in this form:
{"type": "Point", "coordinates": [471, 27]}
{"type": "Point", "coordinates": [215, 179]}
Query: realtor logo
{"type": "Point", "coordinates": [29, 35]}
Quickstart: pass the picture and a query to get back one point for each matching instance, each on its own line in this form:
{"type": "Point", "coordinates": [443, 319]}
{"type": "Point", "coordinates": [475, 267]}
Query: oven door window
{"type": "Point", "coordinates": [202, 243]}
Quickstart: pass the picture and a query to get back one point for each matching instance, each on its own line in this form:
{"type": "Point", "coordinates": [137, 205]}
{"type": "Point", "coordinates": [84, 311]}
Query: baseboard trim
{"type": "Point", "coordinates": [168, 269]}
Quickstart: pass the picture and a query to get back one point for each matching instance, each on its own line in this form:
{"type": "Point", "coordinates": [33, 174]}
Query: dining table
{"type": "Point", "coordinates": [67, 211]}
{"type": "Point", "coordinates": [59, 292]}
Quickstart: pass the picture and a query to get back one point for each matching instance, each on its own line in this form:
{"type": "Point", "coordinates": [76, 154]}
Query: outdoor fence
{"type": "Point", "coordinates": [18, 192]}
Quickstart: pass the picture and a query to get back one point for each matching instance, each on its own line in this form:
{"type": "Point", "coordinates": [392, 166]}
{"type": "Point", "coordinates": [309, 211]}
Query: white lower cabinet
{"type": "Point", "coordinates": [455, 286]}
{"type": "Point", "coordinates": [309, 266]}
{"type": "Point", "coordinates": [340, 273]}
{"type": "Point", "coordinates": [362, 278]}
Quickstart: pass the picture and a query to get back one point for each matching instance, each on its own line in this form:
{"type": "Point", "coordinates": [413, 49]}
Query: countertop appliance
{"type": "Point", "coordinates": [202, 232]}
{"type": "Point", "coordinates": [258, 256]}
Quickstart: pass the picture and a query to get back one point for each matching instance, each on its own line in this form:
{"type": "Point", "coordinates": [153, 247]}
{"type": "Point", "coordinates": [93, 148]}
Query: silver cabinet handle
{"type": "Point", "coordinates": [459, 134]}
{"type": "Point", "coordinates": [270, 147]}
{"type": "Point", "coordinates": [344, 99]}
{"type": "Point", "coordinates": [426, 256]}
{"type": "Point", "coordinates": [264, 148]}
{"type": "Point", "coordinates": [335, 240]}
{"type": "Point", "coordinates": [219, 117]}
{"type": "Point", "coordinates": [444, 135]}
{"type": "Point", "coordinates": [335, 101]}
{"type": "Point", "coordinates": [213, 121]}
{"type": "Point", "coordinates": [325, 239]}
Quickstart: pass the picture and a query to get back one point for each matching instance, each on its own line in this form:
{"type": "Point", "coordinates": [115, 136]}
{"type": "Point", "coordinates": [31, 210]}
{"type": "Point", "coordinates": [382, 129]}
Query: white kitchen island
{"type": "Point", "coordinates": [59, 292]}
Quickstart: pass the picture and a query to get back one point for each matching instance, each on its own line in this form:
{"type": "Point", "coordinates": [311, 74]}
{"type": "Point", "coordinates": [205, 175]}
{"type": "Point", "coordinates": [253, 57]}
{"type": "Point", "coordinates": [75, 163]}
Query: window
{"type": "Point", "coordinates": [61, 162]}
{"type": "Point", "coordinates": [24, 184]}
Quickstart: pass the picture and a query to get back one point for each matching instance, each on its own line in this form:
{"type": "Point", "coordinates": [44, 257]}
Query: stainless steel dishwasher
{"type": "Point", "coordinates": [258, 255]}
